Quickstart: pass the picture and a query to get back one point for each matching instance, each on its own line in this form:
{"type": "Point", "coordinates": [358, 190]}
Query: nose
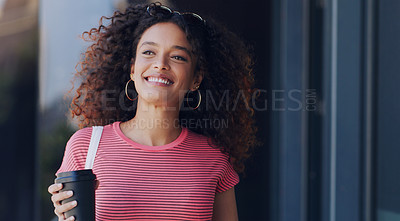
{"type": "Point", "coordinates": [161, 63]}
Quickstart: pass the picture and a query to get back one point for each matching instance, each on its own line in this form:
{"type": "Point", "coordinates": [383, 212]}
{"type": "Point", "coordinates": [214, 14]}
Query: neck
{"type": "Point", "coordinates": [153, 125]}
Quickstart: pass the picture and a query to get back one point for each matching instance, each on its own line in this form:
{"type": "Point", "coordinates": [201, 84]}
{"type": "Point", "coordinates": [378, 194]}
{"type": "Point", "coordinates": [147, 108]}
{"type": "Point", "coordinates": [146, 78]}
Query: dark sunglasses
{"type": "Point", "coordinates": [155, 10]}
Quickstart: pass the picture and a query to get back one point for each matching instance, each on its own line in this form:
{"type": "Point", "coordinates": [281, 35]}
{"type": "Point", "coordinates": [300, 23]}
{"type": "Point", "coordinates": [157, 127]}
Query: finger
{"type": "Point", "coordinates": [97, 184]}
{"type": "Point", "coordinates": [60, 216]}
{"type": "Point", "coordinates": [71, 218]}
{"type": "Point", "coordinates": [57, 197]}
{"type": "Point", "coordinates": [66, 207]}
{"type": "Point", "coordinates": [54, 188]}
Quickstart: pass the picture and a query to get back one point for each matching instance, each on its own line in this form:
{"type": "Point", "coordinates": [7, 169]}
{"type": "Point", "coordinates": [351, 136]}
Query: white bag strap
{"type": "Point", "coordinates": [94, 144]}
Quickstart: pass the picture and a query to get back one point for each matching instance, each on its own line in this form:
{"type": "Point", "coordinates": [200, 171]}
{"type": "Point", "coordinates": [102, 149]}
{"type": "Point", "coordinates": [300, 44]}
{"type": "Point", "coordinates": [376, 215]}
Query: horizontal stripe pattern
{"type": "Point", "coordinates": [176, 181]}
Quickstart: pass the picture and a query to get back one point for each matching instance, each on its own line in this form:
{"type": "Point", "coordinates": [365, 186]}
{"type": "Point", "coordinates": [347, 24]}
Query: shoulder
{"type": "Point", "coordinates": [195, 136]}
{"type": "Point", "coordinates": [223, 169]}
{"type": "Point", "coordinates": [206, 146]}
{"type": "Point", "coordinates": [200, 140]}
{"type": "Point", "coordinates": [76, 150]}
{"type": "Point", "coordinates": [78, 143]}
{"type": "Point", "coordinates": [81, 136]}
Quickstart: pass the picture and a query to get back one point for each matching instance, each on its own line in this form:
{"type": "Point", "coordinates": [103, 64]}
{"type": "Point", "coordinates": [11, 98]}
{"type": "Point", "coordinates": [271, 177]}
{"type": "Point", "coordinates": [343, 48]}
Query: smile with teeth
{"type": "Point", "coordinates": [159, 80]}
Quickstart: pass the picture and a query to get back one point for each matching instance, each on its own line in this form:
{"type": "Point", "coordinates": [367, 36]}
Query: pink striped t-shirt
{"type": "Point", "coordinates": [176, 181]}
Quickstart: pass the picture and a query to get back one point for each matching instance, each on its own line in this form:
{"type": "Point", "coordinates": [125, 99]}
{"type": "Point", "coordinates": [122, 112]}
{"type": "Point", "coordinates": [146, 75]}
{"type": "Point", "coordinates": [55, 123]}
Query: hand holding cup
{"type": "Point", "coordinates": [74, 198]}
{"type": "Point", "coordinates": [57, 197]}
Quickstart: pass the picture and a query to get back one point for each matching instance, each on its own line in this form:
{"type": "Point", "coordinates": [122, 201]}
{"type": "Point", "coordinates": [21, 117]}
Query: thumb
{"type": "Point", "coordinates": [97, 184]}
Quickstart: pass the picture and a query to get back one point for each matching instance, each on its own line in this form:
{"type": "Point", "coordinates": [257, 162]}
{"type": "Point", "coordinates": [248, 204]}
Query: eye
{"type": "Point", "coordinates": [179, 58]}
{"type": "Point", "coordinates": [148, 52]}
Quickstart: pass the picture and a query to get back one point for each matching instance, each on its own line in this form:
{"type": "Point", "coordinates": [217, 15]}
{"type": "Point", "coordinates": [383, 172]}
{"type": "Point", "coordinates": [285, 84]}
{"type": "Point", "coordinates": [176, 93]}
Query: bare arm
{"type": "Point", "coordinates": [225, 206]}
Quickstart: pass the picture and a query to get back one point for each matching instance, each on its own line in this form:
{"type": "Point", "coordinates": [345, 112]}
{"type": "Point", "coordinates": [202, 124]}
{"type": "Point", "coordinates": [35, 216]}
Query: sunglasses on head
{"type": "Point", "coordinates": [157, 10]}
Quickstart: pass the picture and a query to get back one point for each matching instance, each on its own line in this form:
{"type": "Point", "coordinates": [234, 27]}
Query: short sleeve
{"type": "Point", "coordinates": [76, 151]}
{"type": "Point", "coordinates": [228, 179]}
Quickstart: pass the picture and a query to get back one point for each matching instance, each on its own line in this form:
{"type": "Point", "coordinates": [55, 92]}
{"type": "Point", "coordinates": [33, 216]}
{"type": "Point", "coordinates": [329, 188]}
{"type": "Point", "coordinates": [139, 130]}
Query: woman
{"type": "Point", "coordinates": [183, 131]}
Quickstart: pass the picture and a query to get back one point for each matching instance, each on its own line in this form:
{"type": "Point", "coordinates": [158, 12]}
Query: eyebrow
{"type": "Point", "coordinates": [175, 46]}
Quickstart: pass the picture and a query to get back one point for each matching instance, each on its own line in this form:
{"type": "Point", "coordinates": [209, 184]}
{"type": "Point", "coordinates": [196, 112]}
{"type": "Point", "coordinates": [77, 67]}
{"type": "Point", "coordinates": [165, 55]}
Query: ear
{"type": "Point", "coordinates": [197, 81]}
{"type": "Point", "coordinates": [132, 71]}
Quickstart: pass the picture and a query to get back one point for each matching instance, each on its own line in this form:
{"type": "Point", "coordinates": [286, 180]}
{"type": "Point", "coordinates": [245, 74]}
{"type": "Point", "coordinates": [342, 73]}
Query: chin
{"type": "Point", "coordinates": [153, 97]}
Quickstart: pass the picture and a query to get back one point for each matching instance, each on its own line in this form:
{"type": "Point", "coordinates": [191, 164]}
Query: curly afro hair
{"type": "Point", "coordinates": [225, 115]}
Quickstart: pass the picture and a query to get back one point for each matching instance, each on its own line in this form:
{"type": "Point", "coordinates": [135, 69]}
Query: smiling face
{"type": "Point", "coordinates": [164, 66]}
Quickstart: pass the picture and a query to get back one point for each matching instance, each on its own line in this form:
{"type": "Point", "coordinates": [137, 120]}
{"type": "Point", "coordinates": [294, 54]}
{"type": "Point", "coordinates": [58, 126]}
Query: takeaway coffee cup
{"type": "Point", "coordinates": [82, 183]}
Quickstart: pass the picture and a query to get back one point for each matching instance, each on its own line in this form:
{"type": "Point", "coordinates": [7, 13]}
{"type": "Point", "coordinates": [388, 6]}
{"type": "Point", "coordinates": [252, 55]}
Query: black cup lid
{"type": "Point", "coordinates": [73, 176]}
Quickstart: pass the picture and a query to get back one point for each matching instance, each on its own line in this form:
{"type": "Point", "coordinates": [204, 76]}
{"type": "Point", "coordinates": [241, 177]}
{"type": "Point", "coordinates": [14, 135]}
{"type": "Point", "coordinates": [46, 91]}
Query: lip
{"type": "Point", "coordinates": [159, 75]}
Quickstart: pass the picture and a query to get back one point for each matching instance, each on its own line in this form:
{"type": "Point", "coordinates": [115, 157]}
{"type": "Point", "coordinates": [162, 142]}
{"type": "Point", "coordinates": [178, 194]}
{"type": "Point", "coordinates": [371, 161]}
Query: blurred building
{"type": "Point", "coordinates": [18, 101]}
